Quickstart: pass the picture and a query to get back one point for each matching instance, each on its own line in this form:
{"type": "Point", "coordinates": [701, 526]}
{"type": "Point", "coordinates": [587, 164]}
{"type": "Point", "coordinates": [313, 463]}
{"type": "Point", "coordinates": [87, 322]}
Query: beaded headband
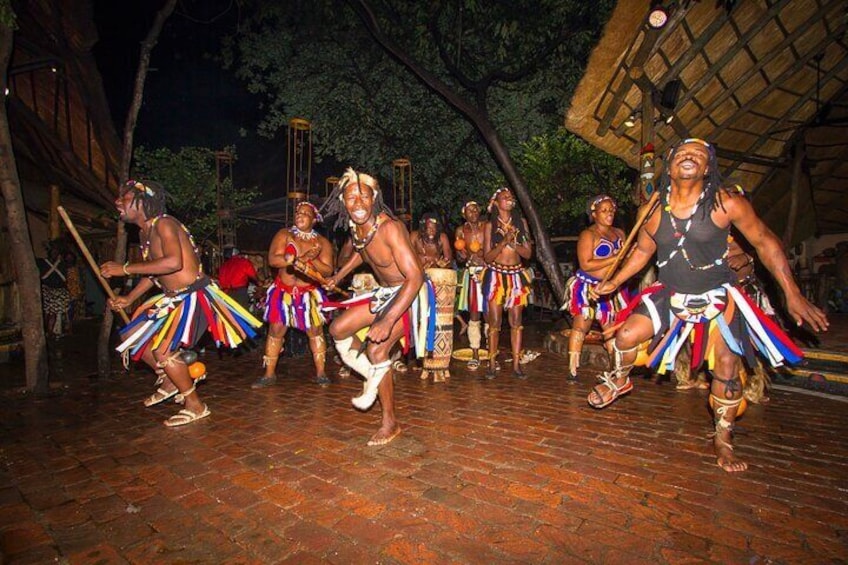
{"type": "Point", "coordinates": [495, 197]}
{"type": "Point", "coordinates": [318, 216]}
{"type": "Point", "coordinates": [598, 199]}
{"type": "Point", "coordinates": [139, 186]}
{"type": "Point", "coordinates": [469, 203]}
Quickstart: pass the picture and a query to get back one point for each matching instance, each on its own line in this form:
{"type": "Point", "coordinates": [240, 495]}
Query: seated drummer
{"type": "Point", "coordinates": [431, 244]}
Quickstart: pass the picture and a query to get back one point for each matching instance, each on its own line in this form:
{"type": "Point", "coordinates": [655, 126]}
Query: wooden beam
{"type": "Point", "coordinates": [710, 108]}
{"type": "Point", "coordinates": [793, 110]}
{"type": "Point", "coordinates": [728, 56]}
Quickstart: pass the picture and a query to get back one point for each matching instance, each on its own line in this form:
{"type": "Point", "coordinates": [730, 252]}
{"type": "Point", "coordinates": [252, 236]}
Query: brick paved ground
{"type": "Point", "coordinates": [484, 472]}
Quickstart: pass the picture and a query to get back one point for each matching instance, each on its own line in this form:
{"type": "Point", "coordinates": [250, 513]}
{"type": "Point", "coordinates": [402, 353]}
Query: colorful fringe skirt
{"type": "Point", "coordinates": [604, 309]}
{"type": "Point", "coordinates": [181, 319]}
{"type": "Point", "coordinates": [297, 307]}
{"type": "Point", "coordinates": [470, 296]}
{"type": "Point", "coordinates": [506, 285]}
{"type": "Point", "coordinates": [419, 321]}
{"type": "Point", "coordinates": [724, 313]}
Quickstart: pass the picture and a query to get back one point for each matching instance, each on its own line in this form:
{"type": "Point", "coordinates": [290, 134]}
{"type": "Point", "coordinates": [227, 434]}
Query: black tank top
{"type": "Point", "coordinates": [705, 244]}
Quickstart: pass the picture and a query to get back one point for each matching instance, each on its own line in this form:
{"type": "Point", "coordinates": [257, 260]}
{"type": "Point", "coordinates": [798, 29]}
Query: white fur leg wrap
{"type": "Point", "coordinates": [374, 378]}
{"type": "Point", "coordinates": [474, 334]}
{"type": "Point", "coordinates": [358, 363]}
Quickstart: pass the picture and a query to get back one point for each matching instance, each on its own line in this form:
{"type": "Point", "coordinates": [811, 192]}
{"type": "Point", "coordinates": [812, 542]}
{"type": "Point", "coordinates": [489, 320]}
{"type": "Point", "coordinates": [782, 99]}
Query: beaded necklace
{"type": "Point", "coordinates": [304, 235]}
{"type": "Point", "coordinates": [360, 243]}
{"type": "Point", "coordinates": [680, 234]}
{"type": "Point", "coordinates": [504, 225]}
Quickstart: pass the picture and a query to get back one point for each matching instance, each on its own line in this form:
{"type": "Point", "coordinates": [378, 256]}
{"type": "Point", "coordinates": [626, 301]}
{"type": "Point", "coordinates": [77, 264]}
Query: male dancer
{"type": "Point", "coordinates": [190, 303]}
{"type": "Point", "coordinates": [383, 243]}
{"type": "Point", "coordinates": [696, 292]}
{"type": "Point", "coordinates": [294, 300]}
{"type": "Point", "coordinates": [470, 251]}
{"type": "Point", "coordinates": [431, 243]}
{"type": "Point", "coordinates": [506, 284]}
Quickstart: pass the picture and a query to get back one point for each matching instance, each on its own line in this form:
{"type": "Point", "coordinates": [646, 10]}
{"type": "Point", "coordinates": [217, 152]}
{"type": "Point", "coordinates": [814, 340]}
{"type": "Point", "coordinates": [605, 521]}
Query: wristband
{"type": "Point", "coordinates": [124, 268]}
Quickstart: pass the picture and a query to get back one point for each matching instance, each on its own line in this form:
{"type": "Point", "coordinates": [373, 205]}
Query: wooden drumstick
{"type": "Point", "coordinates": [622, 253]}
{"type": "Point", "coordinates": [305, 268]}
{"type": "Point", "coordinates": [91, 263]}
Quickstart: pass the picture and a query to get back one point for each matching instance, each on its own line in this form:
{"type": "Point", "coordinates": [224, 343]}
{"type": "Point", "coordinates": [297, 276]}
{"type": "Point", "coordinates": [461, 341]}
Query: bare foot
{"type": "Point", "coordinates": [384, 435]}
{"type": "Point", "coordinates": [724, 454]}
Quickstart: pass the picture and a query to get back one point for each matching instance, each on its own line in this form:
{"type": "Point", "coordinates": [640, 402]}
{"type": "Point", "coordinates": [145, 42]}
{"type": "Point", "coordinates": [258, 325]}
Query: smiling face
{"type": "Point", "coordinates": [359, 202]}
{"type": "Point", "coordinates": [689, 162]}
{"type": "Point", "coordinates": [304, 218]}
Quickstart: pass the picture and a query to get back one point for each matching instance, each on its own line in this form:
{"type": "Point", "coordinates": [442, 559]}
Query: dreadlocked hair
{"type": "Point", "coordinates": [335, 206]}
{"type": "Point", "coordinates": [712, 180]}
{"type": "Point", "coordinates": [148, 194]}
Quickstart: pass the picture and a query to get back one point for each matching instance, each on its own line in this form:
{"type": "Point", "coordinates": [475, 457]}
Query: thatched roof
{"type": "Point", "coordinates": [758, 80]}
{"type": "Point", "coordinates": [59, 118]}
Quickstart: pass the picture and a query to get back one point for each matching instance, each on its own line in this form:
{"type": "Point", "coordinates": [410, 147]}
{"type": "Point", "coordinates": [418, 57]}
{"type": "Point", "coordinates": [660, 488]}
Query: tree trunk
{"type": "Point", "coordinates": [479, 117]}
{"type": "Point", "coordinates": [104, 356]}
{"type": "Point", "coordinates": [544, 249]}
{"type": "Point", "coordinates": [28, 280]}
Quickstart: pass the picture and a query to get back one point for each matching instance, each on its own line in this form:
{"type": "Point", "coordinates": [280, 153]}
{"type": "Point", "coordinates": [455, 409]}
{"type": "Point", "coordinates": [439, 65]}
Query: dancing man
{"type": "Point", "coordinates": [431, 243]}
{"type": "Point", "coordinates": [506, 284]}
{"type": "Point", "coordinates": [381, 241]}
{"type": "Point", "coordinates": [469, 249]}
{"type": "Point", "coordinates": [696, 297]}
{"type": "Point", "coordinates": [294, 300]}
{"type": "Point", "coordinates": [597, 249]}
{"type": "Point", "coordinates": [190, 302]}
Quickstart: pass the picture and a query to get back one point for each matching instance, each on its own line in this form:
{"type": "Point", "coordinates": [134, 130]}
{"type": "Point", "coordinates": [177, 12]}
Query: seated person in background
{"type": "Point", "coordinates": [431, 243]}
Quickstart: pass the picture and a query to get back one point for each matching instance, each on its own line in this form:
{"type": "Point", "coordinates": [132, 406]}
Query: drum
{"type": "Point", "coordinates": [437, 363]}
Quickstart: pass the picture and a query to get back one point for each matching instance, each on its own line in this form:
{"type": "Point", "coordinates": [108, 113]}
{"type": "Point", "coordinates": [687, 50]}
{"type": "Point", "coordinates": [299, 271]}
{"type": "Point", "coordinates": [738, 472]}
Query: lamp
{"type": "Point", "coordinates": [666, 100]}
{"type": "Point", "coordinates": [658, 16]}
{"type": "Point", "coordinates": [631, 119]}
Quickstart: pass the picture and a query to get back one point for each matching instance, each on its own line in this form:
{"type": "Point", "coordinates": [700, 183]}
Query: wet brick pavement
{"type": "Point", "coordinates": [505, 471]}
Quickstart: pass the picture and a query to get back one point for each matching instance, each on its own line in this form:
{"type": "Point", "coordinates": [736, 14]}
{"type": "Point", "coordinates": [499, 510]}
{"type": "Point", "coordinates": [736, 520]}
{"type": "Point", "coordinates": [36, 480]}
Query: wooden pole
{"type": "Point", "coordinates": [643, 215]}
{"type": "Point", "coordinates": [53, 218]}
{"type": "Point", "coordinates": [91, 262]}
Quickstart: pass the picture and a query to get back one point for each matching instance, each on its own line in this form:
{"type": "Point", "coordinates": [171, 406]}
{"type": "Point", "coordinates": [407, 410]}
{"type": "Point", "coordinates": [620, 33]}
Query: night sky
{"type": "Point", "coordinates": [188, 99]}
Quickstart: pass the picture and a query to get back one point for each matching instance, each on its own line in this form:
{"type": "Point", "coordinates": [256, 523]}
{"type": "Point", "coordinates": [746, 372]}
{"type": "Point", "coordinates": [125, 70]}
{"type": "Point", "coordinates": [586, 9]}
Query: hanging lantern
{"type": "Point", "coordinates": [329, 184]}
{"type": "Point", "coordinates": [402, 190]}
{"type": "Point", "coordinates": [298, 159]}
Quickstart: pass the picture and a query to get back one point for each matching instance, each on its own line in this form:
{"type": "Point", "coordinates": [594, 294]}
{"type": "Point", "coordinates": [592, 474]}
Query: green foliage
{"type": "Point", "coordinates": [564, 172]}
{"type": "Point", "coordinates": [7, 15]}
{"type": "Point", "coordinates": [189, 176]}
{"type": "Point", "coordinates": [517, 62]}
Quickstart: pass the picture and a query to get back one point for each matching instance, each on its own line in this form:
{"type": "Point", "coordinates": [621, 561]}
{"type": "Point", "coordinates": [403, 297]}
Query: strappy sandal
{"type": "Point", "coordinates": [160, 396]}
{"type": "Point", "coordinates": [473, 364]}
{"type": "Point", "coordinates": [608, 380]}
{"type": "Point", "coordinates": [399, 367]}
{"type": "Point", "coordinates": [186, 416]}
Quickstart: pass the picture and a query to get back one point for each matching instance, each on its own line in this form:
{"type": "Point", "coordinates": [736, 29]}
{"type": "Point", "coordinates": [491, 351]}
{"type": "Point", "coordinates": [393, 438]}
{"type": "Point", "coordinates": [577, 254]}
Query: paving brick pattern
{"type": "Point", "coordinates": [502, 471]}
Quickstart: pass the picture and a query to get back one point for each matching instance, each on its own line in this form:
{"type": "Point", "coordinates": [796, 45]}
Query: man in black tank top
{"type": "Point", "coordinates": [688, 230]}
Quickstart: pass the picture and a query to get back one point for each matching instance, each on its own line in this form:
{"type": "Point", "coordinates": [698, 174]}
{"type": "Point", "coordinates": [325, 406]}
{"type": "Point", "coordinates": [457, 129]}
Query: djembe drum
{"type": "Point", "coordinates": [437, 363]}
